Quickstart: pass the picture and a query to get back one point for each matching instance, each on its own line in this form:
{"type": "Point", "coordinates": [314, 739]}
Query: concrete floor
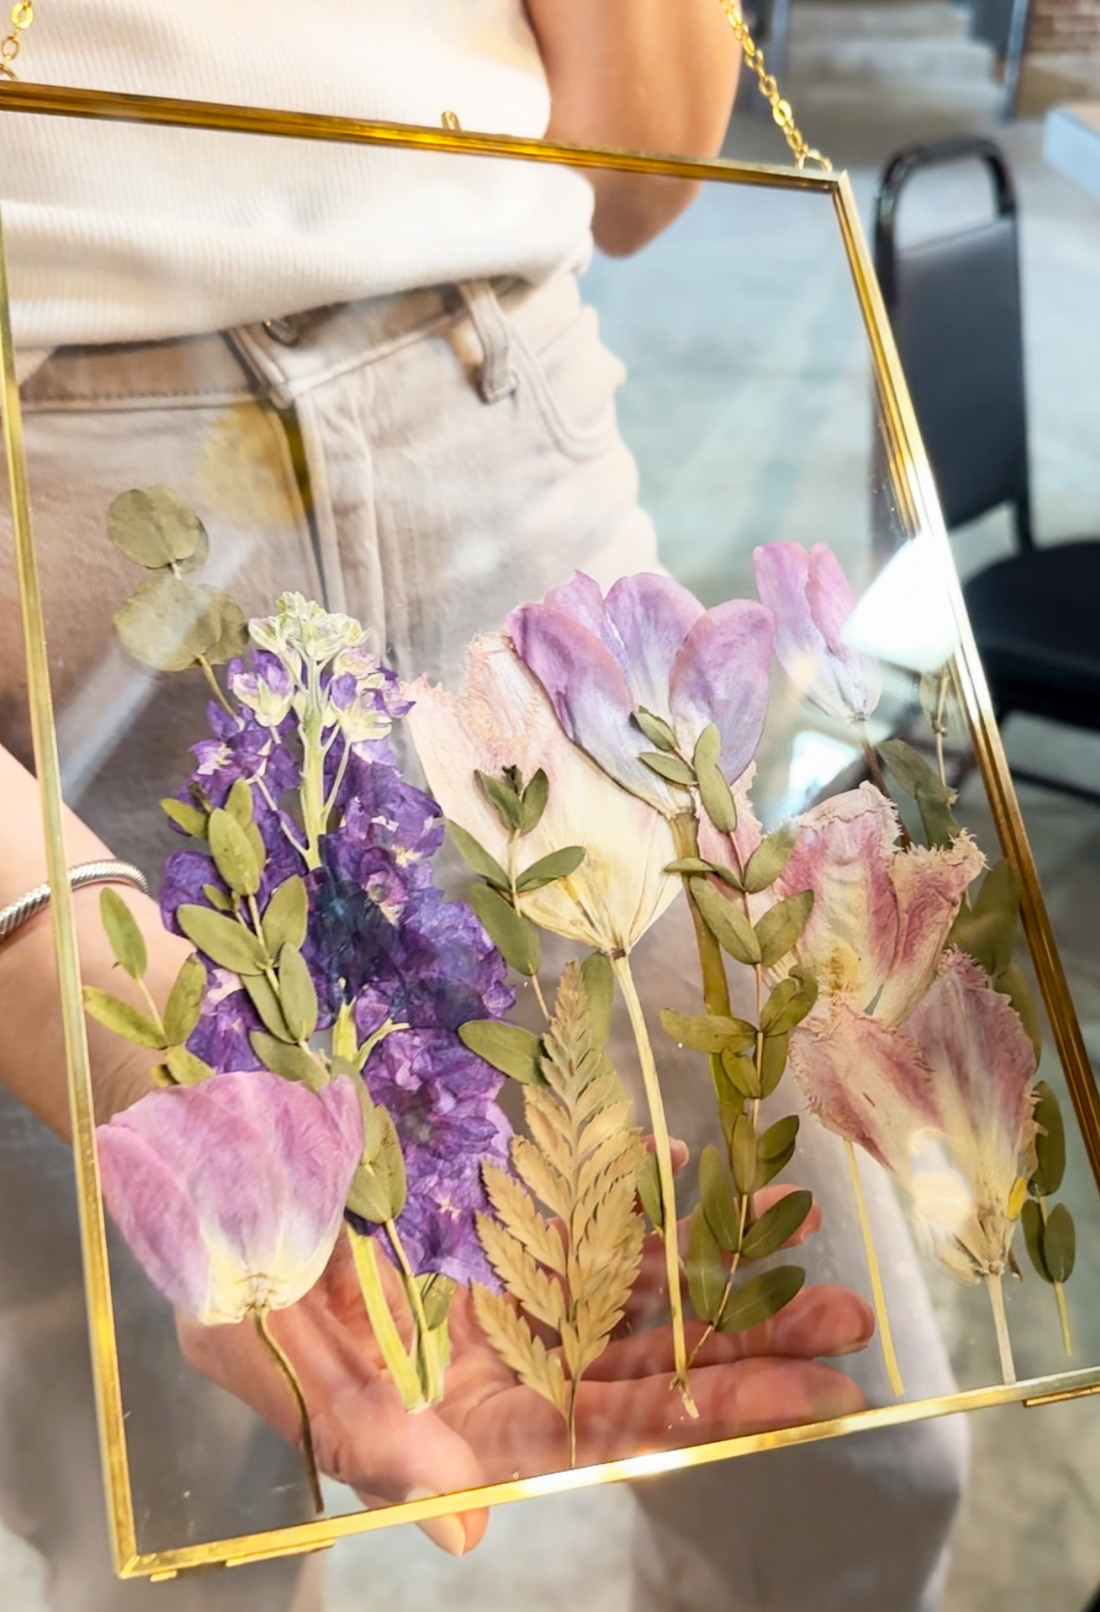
{"type": "Point", "coordinates": [748, 407]}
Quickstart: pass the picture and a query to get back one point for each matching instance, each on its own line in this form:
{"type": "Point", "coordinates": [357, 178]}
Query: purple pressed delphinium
{"type": "Point", "coordinates": [380, 935]}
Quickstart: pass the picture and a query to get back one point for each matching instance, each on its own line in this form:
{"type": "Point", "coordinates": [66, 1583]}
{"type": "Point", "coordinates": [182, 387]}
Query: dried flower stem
{"type": "Point", "coordinates": [1059, 1294]}
{"type": "Point", "coordinates": [406, 1377]}
{"type": "Point", "coordinates": [1000, 1322]}
{"type": "Point", "coordinates": [290, 1377]}
{"type": "Point", "coordinates": [431, 1386]}
{"type": "Point", "coordinates": [663, 1152]}
{"type": "Point", "coordinates": [208, 673]}
{"type": "Point", "coordinates": [878, 1295]}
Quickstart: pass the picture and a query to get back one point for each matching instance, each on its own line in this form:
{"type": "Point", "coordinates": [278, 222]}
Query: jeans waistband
{"type": "Point", "coordinates": [278, 358]}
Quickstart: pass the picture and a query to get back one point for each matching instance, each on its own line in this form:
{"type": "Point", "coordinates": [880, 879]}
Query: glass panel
{"type": "Point", "coordinates": [426, 461]}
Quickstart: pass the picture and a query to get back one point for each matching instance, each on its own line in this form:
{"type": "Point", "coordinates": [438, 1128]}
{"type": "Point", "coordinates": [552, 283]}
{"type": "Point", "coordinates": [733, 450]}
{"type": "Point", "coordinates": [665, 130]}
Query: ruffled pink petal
{"type": "Point", "coordinates": [866, 1082]}
{"type": "Point", "coordinates": [722, 675]}
{"type": "Point", "coordinates": [844, 853]}
{"type": "Point", "coordinates": [929, 886]}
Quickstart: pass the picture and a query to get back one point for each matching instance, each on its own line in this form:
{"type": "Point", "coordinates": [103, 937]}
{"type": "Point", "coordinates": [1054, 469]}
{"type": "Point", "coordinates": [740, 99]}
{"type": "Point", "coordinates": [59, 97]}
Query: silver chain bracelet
{"type": "Point", "coordinates": [13, 917]}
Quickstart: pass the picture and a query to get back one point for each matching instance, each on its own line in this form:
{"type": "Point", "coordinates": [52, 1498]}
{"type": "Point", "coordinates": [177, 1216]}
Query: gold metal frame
{"type": "Point", "coordinates": [912, 480]}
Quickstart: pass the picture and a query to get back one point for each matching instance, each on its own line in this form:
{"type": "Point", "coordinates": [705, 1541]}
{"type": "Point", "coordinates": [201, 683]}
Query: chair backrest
{"type": "Point", "coordinates": [954, 305]}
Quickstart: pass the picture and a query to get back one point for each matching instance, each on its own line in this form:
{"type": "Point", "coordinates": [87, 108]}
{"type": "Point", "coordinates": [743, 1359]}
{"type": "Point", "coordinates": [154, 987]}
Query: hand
{"type": "Point", "coordinates": [488, 1428]}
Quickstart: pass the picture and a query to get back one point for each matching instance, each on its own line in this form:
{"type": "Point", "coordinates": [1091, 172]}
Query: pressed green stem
{"type": "Point", "coordinates": [290, 1377]}
{"type": "Point", "coordinates": [663, 1152]}
{"type": "Point", "coordinates": [431, 1387]}
{"type": "Point", "coordinates": [1059, 1294]}
{"type": "Point", "coordinates": [404, 1373]}
{"type": "Point", "coordinates": [150, 1001]}
{"type": "Point", "coordinates": [1000, 1322]}
{"type": "Point", "coordinates": [208, 673]}
{"type": "Point", "coordinates": [878, 1292]}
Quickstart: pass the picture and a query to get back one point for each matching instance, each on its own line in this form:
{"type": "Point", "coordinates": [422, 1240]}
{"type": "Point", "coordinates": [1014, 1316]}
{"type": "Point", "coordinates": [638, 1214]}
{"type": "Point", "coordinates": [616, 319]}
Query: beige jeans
{"type": "Point", "coordinates": [425, 462]}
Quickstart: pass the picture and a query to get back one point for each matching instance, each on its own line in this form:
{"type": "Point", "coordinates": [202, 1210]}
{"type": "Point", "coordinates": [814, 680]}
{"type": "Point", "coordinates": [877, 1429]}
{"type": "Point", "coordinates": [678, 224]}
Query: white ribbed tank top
{"type": "Point", "coordinates": [120, 233]}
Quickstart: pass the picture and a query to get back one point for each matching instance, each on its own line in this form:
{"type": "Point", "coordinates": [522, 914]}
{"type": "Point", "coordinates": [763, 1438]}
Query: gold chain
{"type": "Point", "coordinates": [22, 15]}
{"type": "Point", "coordinates": [769, 89]}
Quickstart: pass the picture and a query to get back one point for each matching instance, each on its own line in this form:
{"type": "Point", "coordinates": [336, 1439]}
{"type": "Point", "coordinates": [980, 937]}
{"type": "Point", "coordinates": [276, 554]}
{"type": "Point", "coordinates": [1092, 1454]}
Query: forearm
{"type": "Point", "coordinates": [32, 1049]}
{"type": "Point", "coordinates": [652, 75]}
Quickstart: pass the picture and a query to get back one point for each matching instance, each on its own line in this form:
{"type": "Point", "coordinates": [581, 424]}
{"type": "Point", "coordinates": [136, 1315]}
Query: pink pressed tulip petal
{"type": "Point", "coordinates": [982, 1063]}
{"type": "Point", "coordinates": [590, 695]}
{"type": "Point", "coordinates": [866, 1082]}
{"type": "Point", "coordinates": [844, 853]}
{"type": "Point", "coordinates": [722, 675]}
{"type": "Point", "coordinates": [858, 677]}
{"type": "Point", "coordinates": [810, 599]}
{"type": "Point", "coordinates": [929, 887]}
{"type": "Point", "coordinates": [651, 616]}
{"type": "Point", "coordinates": [263, 1166]}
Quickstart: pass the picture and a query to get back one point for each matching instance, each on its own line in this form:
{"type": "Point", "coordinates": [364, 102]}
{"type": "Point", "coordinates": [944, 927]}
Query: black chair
{"type": "Point", "coordinates": [954, 304]}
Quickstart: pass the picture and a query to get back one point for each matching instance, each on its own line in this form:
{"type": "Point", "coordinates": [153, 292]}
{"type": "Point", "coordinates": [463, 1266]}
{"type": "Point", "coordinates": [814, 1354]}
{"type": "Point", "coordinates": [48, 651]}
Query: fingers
{"type": "Point", "coordinates": [821, 1320]}
{"type": "Point", "coordinates": [752, 1396]}
{"type": "Point", "coordinates": [362, 1434]}
{"type": "Point", "coordinates": [518, 1434]}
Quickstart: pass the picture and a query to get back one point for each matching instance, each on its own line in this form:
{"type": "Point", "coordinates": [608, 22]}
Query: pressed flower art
{"type": "Point", "coordinates": [332, 1058]}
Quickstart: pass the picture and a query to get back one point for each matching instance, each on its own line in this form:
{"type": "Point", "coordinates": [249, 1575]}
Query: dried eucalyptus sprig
{"type": "Point", "coordinates": [171, 623]}
{"type": "Point", "coordinates": [1049, 1232]}
{"type": "Point", "coordinates": [572, 1273]}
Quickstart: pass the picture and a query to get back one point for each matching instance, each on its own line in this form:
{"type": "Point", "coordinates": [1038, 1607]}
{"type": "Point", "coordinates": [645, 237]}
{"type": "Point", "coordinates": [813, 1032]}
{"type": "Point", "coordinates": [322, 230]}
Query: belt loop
{"type": "Point", "coordinates": [496, 377]}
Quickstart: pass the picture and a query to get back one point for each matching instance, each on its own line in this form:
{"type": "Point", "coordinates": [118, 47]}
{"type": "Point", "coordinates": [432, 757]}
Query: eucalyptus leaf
{"type": "Point", "coordinates": [233, 855]}
{"type": "Point", "coordinates": [729, 926]}
{"type": "Point", "coordinates": [217, 897]}
{"type": "Point", "coordinates": [548, 869]}
{"type": "Point", "coordinates": [1031, 1219]}
{"type": "Point", "coordinates": [514, 936]}
{"type": "Point", "coordinates": [233, 638]}
{"type": "Point", "coordinates": [265, 999]}
{"type": "Point", "coordinates": [224, 940]}
{"type": "Point", "coordinates": [1059, 1243]}
{"type": "Point", "coordinates": [1013, 983]}
{"type": "Point", "coordinates": [508, 1047]}
{"type": "Point", "coordinates": [184, 1005]}
{"type": "Point", "coordinates": [239, 803]}
{"type": "Point", "coordinates": [777, 1225]}
{"type": "Point", "coordinates": [533, 802]}
{"type": "Point", "coordinates": [773, 1063]}
{"type": "Point", "coordinates": [649, 1191]}
{"type": "Point", "coordinates": [762, 1297]}
{"type": "Point", "coordinates": [741, 1071]}
{"type": "Point", "coordinates": [390, 1165]}
{"type": "Point", "coordinates": [716, 1195]}
{"type": "Point", "coordinates": [169, 622]}
{"type": "Point", "coordinates": [503, 799]}
{"type": "Point", "coordinates": [125, 937]}
{"type": "Point", "coordinates": [780, 927]}
{"type": "Point", "coordinates": [292, 1062]}
{"type": "Point", "coordinates": [668, 767]}
{"type": "Point", "coordinates": [775, 1149]}
{"type": "Point", "coordinates": [708, 1032]}
{"type": "Point", "coordinates": [184, 1068]}
{"type": "Point", "coordinates": [1050, 1143]}
{"type": "Point", "coordinates": [941, 827]}
{"type": "Point", "coordinates": [599, 985]}
{"type": "Point", "coordinates": [369, 1195]}
{"type": "Point", "coordinates": [286, 915]}
{"type": "Point", "coordinates": [977, 934]}
{"type": "Point", "coordinates": [910, 769]}
{"type": "Point", "coordinates": [476, 857]}
{"type": "Point", "coordinates": [768, 1169]}
{"type": "Point", "coordinates": [123, 1019]}
{"type": "Point", "coordinates": [688, 865]}
{"type": "Point", "coordinates": [436, 1296]}
{"type": "Point", "coordinates": [770, 858]}
{"type": "Point", "coordinates": [743, 1154]}
{"type": "Point", "coordinates": [787, 1005]}
{"type": "Point", "coordinates": [297, 994]}
{"type": "Point", "coordinates": [714, 791]}
{"type": "Point", "coordinates": [155, 527]}
{"type": "Point", "coordinates": [192, 819]}
{"type": "Point", "coordinates": [655, 728]}
{"type": "Point", "coordinates": [704, 1267]}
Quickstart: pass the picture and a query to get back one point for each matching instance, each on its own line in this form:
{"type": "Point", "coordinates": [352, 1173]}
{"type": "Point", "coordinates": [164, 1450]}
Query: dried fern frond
{"type": "Point", "coordinates": [581, 1163]}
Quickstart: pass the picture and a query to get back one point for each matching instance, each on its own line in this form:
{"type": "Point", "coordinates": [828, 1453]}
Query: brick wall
{"type": "Point", "coordinates": [1064, 27]}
